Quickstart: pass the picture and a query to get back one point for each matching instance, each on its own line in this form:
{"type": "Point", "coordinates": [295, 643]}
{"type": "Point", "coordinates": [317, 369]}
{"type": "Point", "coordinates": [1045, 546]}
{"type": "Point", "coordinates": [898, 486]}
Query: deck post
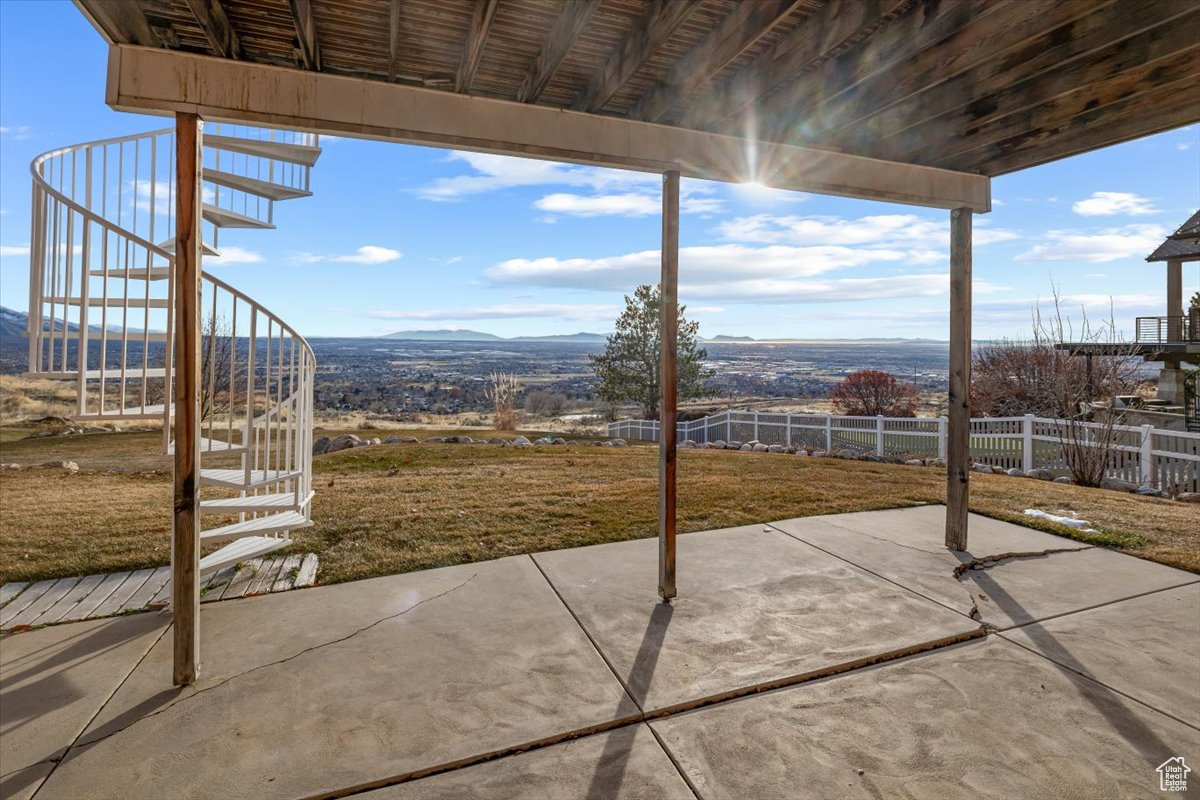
{"type": "Point", "coordinates": [1175, 327]}
{"type": "Point", "coordinates": [958, 453]}
{"type": "Point", "coordinates": [185, 561]}
{"type": "Point", "coordinates": [667, 383]}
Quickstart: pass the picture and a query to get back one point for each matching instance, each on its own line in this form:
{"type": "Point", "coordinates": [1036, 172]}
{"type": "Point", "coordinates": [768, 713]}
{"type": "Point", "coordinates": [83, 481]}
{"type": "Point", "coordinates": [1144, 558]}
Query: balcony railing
{"type": "Point", "coordinates": [1169, 330]}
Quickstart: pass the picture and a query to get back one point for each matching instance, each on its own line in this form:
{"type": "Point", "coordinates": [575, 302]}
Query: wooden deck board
{"type": "Point", "coordinates": [116, 601]}
{"type": "Point", "coordinates": [85, 607]}
{"type": "Point", "coordinates": [59, 600]}
{"type": "Point", "coordinates": [43, 603]}
{"type": "Point", "coordinates": [10, 590]}
{"type": "Point", "coordinates": [69, 600]}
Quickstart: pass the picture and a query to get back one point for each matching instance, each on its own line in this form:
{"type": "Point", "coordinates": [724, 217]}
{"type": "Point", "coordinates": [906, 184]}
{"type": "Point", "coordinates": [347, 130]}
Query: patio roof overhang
{"type": "Point", "coordinates": [909, 101]}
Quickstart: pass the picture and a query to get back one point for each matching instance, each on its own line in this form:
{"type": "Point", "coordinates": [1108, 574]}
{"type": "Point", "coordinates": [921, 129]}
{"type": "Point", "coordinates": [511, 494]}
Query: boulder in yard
{"type": "Point", "coordinates": [802, 452]}
{"type": "Point", "coordinates": [69, 466]}
{"type": "Point", "coordinates": [1064, 479]}
{"type": "Point", "coordinates": [759, 447]}
{"type": "Point", "coordinates": [343, 442]}
{"type": "Point", "coordinates": [983, 468]}
{"type": "Point", "coordinates": [435, 440]}
{"type": "Point", "coordinates": [1015, 473]}
{"type": "Point", "coordinates": [1188, 497]}
{"type": "Point", "coordinates": [732, 445]}
{"type": "Point", "coordinates": [936, 462]}
{"type": "Point", "coordinates": [10, 466]}
{"type": "Point", "coordinates": [819, 453]}
{"type": "Point", "coordinates": [558, 440]}
{"type": "Point", "coordinates": [1040, 474]}
{"type": "Point", "coordinates": [1118, 485]}
{"type": "Point", "coordinates": [775, 448]}
{"type": "Point", "coordinates": [321, 446]}
{"type": "Point", "coordinates": [619, 443]}
{"type": "Point", "coordinates": [1149, 491]}
{"type": "Point", "coordinates": [847, 453]}
{"type": "Point", "coordinates": [520, 441]}
{"type": "Point", "coordinates": [914, 462]}
{"type": "Point", "coordinates": [719, 444]}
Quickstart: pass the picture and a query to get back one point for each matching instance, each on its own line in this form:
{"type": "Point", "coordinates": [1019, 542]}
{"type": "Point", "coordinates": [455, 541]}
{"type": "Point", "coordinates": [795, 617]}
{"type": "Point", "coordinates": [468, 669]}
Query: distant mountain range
{"type": "Point", "coordinates": [463, 335]}
{"type": "Point", "coordinates": [14, 324]}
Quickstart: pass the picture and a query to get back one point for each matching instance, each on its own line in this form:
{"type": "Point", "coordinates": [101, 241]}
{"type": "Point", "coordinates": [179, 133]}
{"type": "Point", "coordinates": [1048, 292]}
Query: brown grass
{"type": "Point", "coordinates": [390, 509]}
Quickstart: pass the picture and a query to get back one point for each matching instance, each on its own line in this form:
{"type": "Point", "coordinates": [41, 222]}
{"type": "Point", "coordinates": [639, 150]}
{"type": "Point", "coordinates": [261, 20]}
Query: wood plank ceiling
{"type": "Point", "coordinates": [985, 86]}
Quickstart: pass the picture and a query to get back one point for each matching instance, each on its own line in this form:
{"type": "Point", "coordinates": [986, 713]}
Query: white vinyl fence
{"type": "Point", "coordinates": [1145, 455]}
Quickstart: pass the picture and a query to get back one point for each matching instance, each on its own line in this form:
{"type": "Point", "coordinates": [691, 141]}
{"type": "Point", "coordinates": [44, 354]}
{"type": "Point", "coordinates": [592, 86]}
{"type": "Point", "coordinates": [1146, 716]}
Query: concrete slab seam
{"type": "Point", "coordinates": [1112, 602]}
{"type": "Point", "coordinates": [1098, 682]}
{"type": "Point", "coordinates": [88, 724]}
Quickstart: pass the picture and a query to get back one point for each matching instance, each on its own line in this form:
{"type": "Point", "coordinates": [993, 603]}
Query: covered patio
{"type": "Point", "coordinates": [827, 657]}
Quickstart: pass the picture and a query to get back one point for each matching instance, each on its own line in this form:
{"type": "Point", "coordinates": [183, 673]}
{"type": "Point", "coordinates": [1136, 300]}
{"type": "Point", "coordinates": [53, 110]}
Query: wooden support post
{"type": "Point", "coordinates": [958, 452]}
{"type": "Point", "coordinates": [185, 561]}
{"type": "Point", "coordinates": [1175, 321]}
{"type": "Point", "coordinates": [667, 384]}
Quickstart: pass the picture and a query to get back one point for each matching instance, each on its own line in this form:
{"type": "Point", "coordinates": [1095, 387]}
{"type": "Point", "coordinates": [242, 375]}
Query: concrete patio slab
{"type": "Point", "coordinates": [1054, 576]}
{"type": "Point", "coordinates": [625, 764]}
{"type": "Point", "coordinates": [756, 607]}
{"type": "Point", "coordinates": [1147, 648]}
{"type": "Point", "coordinates": [341, 687]}
{"type": "Point", "coordinates": [984, 719]}
{"type": "Point", "coordinates": [53, 682]}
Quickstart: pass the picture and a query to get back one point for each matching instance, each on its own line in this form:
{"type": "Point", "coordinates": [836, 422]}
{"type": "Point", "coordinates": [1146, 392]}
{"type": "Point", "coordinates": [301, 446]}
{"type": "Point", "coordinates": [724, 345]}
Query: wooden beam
{"type": "Point", "coordinates": [210, 16]}
{"type": "Point", "coordinates": [144, 79]}
{"type": "Point", "coordinates": [745, 25]}
{"type": "Point", "coordinates": [972, 140]}
{"type": "Point", "coordinates": [958, 438]}
{"type": "Point", "coordinates": [818, 37]}
{"type": "Point", "coordinates": [790, 114]}
{"type": "Point", "coordinates": [120, 21]}
{"type": "Point", "coordinates": [481, 24]}
{"type": "Point", "coordinates": [668, 384]}
{"type": "Point", "coordinates": [185, 553]}
{"type": "Point", "coordinates": [575, 14]}
{"type": "Point", "coordinates": [308, 49]}
{"type": "Point", "coordinates": [1090, 50]}
{"type": "Point", "coordinates": [1168, 106]}
{"type": "Point", "coordinates": [647, 36]}
{"type": "Point", "coordinates": [1175, 295]}
{"type": "Point", "coordinates": [393, 39]}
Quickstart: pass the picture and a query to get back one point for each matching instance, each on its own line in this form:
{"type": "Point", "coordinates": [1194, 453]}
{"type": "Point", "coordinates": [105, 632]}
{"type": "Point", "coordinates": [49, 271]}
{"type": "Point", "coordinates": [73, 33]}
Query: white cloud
{"type": "Point", "coordinates": [1108, 204]}
{"type": "Point", "coordinates": [628, 205]}
{"type": "Point", "coordinates": [581, 312]}
{"type": "Point", "coordinates": [1098, 247]}
{"type": "Point", "coordinates": [367, 254]}
{"type": "Point", "coordinates": [16, 131]}
{"type": "Point", "coordinates": [14, 250]}
{"type": "Point", "coordinates": [881, 230]}
{"type": "Point", "coordinates": [233, 255]}
{"type": "Point", "coordinates": [1183, 145]}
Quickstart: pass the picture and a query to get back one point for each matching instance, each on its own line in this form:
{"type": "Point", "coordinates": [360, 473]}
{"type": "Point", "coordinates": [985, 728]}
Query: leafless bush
{"type": "Point", "coordinates": [1053, 375]}
{"type": "Point", "coordinates": [503, 396]}
{"type": "Point", "coordinates": [541, 401]}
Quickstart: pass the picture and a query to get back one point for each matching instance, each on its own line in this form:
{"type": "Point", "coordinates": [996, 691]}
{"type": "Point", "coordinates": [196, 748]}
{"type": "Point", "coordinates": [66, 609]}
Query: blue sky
{"type": "Point", "coordinates": [398, 237]}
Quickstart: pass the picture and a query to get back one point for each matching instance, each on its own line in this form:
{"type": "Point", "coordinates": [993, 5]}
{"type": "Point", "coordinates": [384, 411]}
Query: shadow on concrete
{"type": "Point", "coordinates": [610, 770]}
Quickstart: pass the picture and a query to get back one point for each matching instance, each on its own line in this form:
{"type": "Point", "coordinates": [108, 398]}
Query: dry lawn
{"type": "Point", "coordinates": [391, 509]}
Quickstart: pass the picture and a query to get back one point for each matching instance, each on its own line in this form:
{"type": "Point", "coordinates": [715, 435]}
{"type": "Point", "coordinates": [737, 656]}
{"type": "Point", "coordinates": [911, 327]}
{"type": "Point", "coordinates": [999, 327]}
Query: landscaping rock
{"type": "Point", "coordinates": [619, 443]}
{"type": "Point", "coordinates": [914, 462]}
{"type": "Point", "coordinates": [18, 466]}
{"type": "Point", "coordinates": [520, 441]}
{"type": "Point", "coordinates": [775, 448]}
{"type": "Point", "coordinates": [935, 462]}
{"type": "Point", "coordinates": [732, 445]}
{"type": "Point", "coordinates": [802, 452]}
{"type": "Point", "coordinates": [392, 440]}
{"type": "Point", "coordinates": [1149, 491]}
{"type": "Point", "coordinates": [1015, 473]}
{"type": "Point", "coordinates": [983, 468]}
{"type": "Point", "coordinates": [496, 440]}
{"type": "Point", "coordinates": [759, 447]}
{"type": "Point", "coordinates": [376, 440]}
{"type": "Point", "coordinates": [847, 453]}
{"type": "Point", "coordinates": [558, 441]}
{"type": "Point", "coordinates": [435, 440]}
{"type": "Point", "coordinates": [1116, 484]}
{"type": "Point", "coordinates": [719, 444]}
{"type": "Point", "coordinates": [1183, 497]}
{"type": "Point", "coordinates": [746, 447]}
{"type": "Point", "coordinates": [321, 446]}
{"type": "Point", "coordinates": [819, 453]}
{"type": "Point", "coordinates": [343, 442]}
{"type": "Point", "coordinates": [607, 444]}
{"type": "Point", "coordinates": [1064, 479]}
{"type": "Point", "coordinates": [1040, 474]}
{"type": "Point", "coordinates": [69, 466]}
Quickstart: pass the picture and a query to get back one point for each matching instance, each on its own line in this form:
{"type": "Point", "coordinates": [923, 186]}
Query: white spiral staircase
{"type": "Point", "coordinates": [101, 315]}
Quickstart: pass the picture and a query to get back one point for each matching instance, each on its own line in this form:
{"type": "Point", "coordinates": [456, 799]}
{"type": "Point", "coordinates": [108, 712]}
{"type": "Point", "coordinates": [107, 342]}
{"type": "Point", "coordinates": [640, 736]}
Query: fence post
{"type": "Point", "coordinates": [756, 425]}
{"type": "Point", "coordinates": [879, 434]}
{"type": "Point", "coordinates": [942, 438]}
{"type": "Point", "coordinates": [1146, 461]}
{"type": "Point", "coordinates": [1027, 443]}
{"type": "Point", "coordinates": [828, 433]}
{"type": "Point", "coordinates": [728, 425]}
{"type": "Point", "coordinates": [788, 429]}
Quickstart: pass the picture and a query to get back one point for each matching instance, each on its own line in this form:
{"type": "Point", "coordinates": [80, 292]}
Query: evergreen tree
{"type": "Point", "coordinates": [628, 368]}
